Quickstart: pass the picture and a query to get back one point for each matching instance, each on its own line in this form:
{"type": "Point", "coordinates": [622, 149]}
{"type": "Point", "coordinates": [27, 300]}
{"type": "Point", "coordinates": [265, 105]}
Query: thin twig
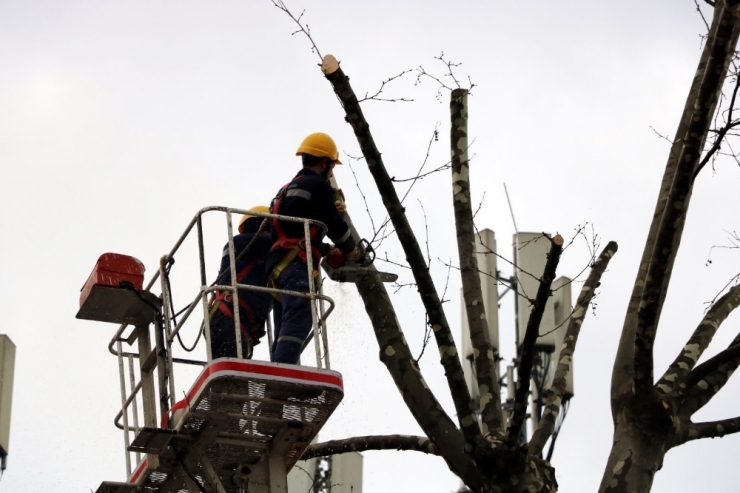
{"type": "Point", "coordinates": [375, 97]}
{"type": "Point", "coordinates": [302, 29]}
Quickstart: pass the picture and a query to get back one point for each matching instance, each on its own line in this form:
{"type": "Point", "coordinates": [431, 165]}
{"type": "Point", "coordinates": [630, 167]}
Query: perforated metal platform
{"type": "Point", "coordinates": [242, 423]}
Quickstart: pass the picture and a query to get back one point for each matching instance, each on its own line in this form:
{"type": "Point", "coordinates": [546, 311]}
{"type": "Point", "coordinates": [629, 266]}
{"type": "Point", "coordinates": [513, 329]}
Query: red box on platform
{"type": "Point", "coordinates": [111, 270]}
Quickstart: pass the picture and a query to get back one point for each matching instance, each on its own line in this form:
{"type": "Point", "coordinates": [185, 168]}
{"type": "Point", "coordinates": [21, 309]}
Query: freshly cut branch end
{"type": "Point", "coordinates": [329, 65]}
{"type": "Point", "coordinates": [558, 240]}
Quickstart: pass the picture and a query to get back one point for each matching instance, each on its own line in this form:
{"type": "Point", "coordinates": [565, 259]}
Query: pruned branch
{"type": "Point", "coordinates": [699, 341]}
{"type": "Point", "coordinates": [396, 356]}
{"type": "Point", "coordinates": [372, 442]}
{"type": "Point", "coordinates": [527, 352]}
{"type": "Point", "coordinates": [485, 371]}
{"type": "Point", "coordinates": [433, 305]}
{"type": "Point", "coordinates": [557, 391]}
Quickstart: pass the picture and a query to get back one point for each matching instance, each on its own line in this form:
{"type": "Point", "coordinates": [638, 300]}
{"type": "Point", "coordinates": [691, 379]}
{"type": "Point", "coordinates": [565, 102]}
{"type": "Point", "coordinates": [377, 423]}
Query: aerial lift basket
{"type": "Point", "coordinates": [243, 424]}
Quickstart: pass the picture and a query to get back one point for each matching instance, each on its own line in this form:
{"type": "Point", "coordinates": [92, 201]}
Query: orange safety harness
{"type": "Point", "coordinates": [225, 296]}
{"type": "Point", "coordinates": [296, 246]}
{"type": "Point", "coordinates": [286, 242]}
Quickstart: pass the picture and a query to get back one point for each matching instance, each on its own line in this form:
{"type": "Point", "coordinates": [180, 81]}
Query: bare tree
{"type": "Point", "coordinates": [649, 417]}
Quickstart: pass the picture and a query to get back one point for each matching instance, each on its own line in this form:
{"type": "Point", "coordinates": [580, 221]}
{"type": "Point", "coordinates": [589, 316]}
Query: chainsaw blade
{"type": "Point", "coordinates": [353, 273]}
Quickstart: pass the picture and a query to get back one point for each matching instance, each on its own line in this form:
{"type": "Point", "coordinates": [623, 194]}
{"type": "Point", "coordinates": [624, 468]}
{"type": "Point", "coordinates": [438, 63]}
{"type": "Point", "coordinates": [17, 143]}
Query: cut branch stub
{"type": "Point", "coordinates": [565, 363]}
{"type": "Point", "coordinates": [484, 358]}
{"type": "Point", "coordinates": [527, 350]}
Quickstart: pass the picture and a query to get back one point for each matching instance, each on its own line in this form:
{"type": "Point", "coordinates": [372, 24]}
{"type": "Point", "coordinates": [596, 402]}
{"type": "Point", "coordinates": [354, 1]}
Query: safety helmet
{"type": "Point", "coordinates": [257, 208]}
{"type": "Point", "coordinates": [320, 145]}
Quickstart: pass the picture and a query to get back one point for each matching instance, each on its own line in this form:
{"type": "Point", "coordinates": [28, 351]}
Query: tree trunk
{"type": "Point", "coordinates": [642, 435]}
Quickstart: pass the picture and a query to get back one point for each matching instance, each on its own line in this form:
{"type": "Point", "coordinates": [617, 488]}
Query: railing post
{"type": "Point", "coordinates": [312, 290]}
{"type": "Point", "coordinates": [148, 396]}
{"type": "Point", "coordinates": [235, 292]}
{"type": "Point", "coordinates": [134, 402]}
{"type": "Point", "coordinates": [124, 411]}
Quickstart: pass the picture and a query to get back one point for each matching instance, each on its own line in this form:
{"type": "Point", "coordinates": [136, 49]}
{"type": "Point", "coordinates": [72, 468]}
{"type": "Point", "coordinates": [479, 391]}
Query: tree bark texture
{"type": "Point", "coordinates": [633, 368]}
{"type": "Point", "coordinates": [699, 340]}
{"type": "Point", "coordinates": [421, 402]}
{"type": "Point", "coordinates": [376, 442]}
{"type": "Point", "coordinates": [554, 399]}
{"type": "Point", "coordinates": [437, 320]}
{"type": "Point", "coordinates": [706, 385]}
{"type": "Point", "coordinates": [483, 355]}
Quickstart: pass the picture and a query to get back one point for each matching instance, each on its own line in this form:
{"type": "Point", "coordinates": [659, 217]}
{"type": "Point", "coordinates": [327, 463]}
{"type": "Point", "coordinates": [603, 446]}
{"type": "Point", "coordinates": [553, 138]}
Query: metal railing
{"type": "Point", "coordinates": [160, 358]}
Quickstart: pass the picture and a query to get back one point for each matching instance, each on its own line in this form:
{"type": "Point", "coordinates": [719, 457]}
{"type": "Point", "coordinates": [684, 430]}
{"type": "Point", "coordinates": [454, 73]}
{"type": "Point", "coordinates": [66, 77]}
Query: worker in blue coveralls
{"type": "Point", "coordinates": [308, 195]}
{"type": "Point", "coordinates": [251, 246]}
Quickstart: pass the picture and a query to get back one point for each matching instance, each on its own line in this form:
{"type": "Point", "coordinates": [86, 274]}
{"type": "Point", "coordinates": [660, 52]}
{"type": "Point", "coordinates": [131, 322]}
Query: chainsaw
{"type": "Point", "coordinates": [338, 269]}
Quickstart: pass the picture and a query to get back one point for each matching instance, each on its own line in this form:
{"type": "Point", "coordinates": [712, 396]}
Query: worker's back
{"type": "Point", "coordinates": [308, 196]}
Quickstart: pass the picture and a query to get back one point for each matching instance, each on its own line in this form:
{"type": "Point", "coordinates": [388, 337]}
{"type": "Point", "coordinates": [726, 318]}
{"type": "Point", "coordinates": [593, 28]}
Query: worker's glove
{"type": "Point", "coordinates": [355, 255]}
{"type": "Point", "coordinates": [335, 257]}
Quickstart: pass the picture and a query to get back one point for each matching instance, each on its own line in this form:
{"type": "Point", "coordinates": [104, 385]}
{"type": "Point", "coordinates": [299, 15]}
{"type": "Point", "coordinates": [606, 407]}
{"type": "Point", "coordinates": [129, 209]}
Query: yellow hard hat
{"type": "Point", "coordinates": [320, 145]}
{"type": "Point", "coordinates": [257, 208]}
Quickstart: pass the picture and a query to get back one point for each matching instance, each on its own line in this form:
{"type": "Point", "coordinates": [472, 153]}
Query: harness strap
{"type": "Point", "coordinates": [283, 240]}
{"type": "Point", "coordinates": [219, 305]}
{"type": "Point", "coordinates": [280, 267]}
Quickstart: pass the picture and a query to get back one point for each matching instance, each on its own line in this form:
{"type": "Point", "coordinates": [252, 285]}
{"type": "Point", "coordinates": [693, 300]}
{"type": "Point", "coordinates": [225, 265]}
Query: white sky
{"type": "Point", "coordinates": [119, 120]}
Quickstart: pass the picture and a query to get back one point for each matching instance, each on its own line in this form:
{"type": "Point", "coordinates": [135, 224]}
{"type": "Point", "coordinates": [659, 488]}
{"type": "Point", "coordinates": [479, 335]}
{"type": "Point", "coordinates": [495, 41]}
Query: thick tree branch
{"type": "Point", "coordinates": [729, 355]}
{"type": "Point", "coordinates": [709, 429]}
{"type": "Point", "coordinates": [557, 391]}
{"type": "Point", "coordinates": [396, 356]}
{"type": "Point", "coordinates": [527, 350]}
{"type": "Point", "coordinates": [484, 359]}
{"type": "Point", "coordinates": [673, 217]}
{"type": "Point", "coordinates": [633, 366]}
{"type": "Point", "coordinates": [698, 395]}
{"type": "Point", "coordinates": [414, 256]}
{"type": "Point", "coordinates": [699, 340]}
{"type": "Point", "coordinates": [373, 442]}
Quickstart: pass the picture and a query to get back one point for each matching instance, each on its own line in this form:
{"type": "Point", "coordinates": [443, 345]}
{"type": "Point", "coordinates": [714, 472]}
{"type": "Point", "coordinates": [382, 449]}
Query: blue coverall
{"type": "Point", "coordinates": [310, 196]}
{"type": "Point", "coordinates": [252, 319]}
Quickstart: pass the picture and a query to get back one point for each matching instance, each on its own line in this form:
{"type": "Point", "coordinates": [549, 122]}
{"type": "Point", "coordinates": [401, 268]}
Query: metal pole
{"type": "Point", "coordinates": [204, 286]}
{"type": "Point", "coordinates": [134, 410]}
{"type": "Point", "coordinates": [122, 378]}
{"type": "Point", "coordinates": [148, 395]}
{"type": "Point", "coordinates": [312, 290]}
{"type": "Point", "coordinates": [166, 342]}
{"type": "Point", "coordinates": [159, 338]}
{"type": "Point", "coordinates": [322, 324]}
{"type": "Point", "coordinates": [235, 293]}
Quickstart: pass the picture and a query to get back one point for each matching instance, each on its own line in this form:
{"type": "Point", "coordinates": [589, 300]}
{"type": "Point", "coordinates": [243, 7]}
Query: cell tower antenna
{"type": "Point", "coordinates": [511, 209]}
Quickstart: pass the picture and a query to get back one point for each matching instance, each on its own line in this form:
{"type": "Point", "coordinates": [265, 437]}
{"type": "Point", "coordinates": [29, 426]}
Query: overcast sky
{"type": "Point", "coordinates": [120, 120]}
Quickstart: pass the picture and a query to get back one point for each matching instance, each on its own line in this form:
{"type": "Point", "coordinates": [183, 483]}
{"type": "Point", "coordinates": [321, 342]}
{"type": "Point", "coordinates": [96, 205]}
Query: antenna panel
{"type": "Point", "coordinates": [485, 253]}
{"type": "Point", "coordinates": [530, 257]}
